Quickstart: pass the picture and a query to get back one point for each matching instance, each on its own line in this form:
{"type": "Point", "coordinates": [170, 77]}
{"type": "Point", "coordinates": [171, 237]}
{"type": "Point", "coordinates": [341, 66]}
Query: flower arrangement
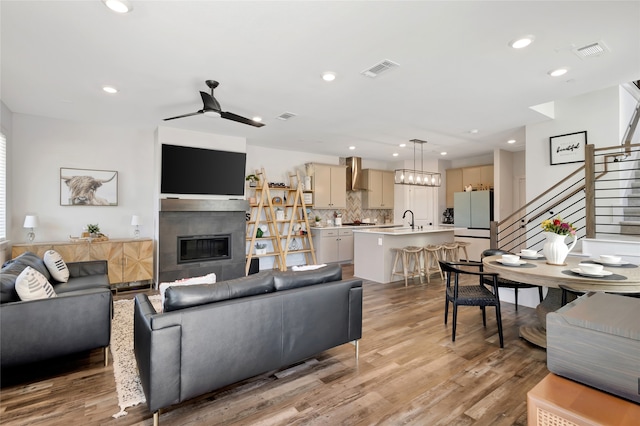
{"type": "Point", "coordinates": [557, 226]}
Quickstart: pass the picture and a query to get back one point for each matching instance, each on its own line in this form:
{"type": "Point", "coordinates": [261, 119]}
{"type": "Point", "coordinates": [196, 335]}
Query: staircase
{"type": "Point", "coordinates": [630, 225]}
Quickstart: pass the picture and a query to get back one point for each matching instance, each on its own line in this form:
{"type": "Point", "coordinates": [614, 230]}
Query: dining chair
{"type": "Point", "coordinates": [515, 285]}
{"type": "Point", "coordinates": [470, 294]}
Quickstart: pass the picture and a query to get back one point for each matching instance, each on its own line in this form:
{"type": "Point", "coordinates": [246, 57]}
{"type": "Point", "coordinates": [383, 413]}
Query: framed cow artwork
{"type": "Point", "coordinates": [83, 187]}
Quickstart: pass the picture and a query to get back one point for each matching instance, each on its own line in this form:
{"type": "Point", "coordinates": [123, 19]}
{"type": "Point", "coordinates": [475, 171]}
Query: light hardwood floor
{"type": "Point", "coordinates": [409, 372]}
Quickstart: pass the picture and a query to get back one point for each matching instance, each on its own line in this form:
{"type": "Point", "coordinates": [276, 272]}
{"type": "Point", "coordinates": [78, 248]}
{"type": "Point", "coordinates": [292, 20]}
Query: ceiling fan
{"type": "Point", "coordinates": [210, 104]}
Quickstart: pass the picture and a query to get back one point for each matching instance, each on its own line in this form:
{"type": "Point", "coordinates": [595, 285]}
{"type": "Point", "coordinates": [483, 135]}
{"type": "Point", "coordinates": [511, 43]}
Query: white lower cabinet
{"type": "Point", "coordinates": [333, 245]}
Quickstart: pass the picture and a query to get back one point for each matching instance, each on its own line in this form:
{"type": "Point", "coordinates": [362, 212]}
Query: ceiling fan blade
{"type": "Point", "coordinates": [240, 119]}
{"type": "Point", "coordinates": [184, 115]}
{"type": "Point", "coordinates": [210, 103]}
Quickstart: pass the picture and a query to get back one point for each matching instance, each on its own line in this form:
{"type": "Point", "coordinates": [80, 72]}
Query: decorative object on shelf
{"type": "Point", "coordinates": [135, 221]}
{"type": "Point", "coordinates": [414, 176]}
{"type": "Point", "coordinates": [31, 222]}
{"type": "Point", "coordinates": [567, 148]}
{"type": "Point", "coordinates": [253, 180]}
{"type": "Point", "coordinates": [276, 200]}
{"type": "Point", "coordinates": [261, 248]}
{"type": "Point", "coordinates": [468, 188]}
{"type": "Point", "coordinates": [78, 187]}
{"type": "Point", "coordinates": [280, 214]}
{"type": "Point", "coordinates": [555, 248]}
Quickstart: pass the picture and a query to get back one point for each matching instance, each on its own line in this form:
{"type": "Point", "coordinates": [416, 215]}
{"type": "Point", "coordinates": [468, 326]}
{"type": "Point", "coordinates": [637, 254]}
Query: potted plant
{"type": "Point", "coordinates": [318, 220]}
{"type": "Point", "coordinates": [93, 230]}
{"type": "Point", "coordinates": [261, 248]}
{"type": "Point", "coordinates": [253, 180]}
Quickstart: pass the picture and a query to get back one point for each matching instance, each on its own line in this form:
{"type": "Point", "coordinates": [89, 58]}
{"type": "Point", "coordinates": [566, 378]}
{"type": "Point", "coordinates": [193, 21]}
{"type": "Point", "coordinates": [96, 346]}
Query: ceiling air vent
{"type": "Point", "coordinates": [379, 68]}
{"type": "Point", "coordinates": [285, 116]}
{"type": "Point", "coordinates": [591, 50]}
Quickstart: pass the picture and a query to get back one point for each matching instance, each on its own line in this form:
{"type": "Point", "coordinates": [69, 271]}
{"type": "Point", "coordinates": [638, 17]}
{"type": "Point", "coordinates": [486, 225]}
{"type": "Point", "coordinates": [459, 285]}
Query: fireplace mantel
{"type": "Point", "coordinates": [194, 205]}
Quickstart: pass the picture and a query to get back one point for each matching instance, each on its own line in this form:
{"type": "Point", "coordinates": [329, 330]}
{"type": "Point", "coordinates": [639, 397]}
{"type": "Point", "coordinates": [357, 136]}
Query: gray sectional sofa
{"type": "Point", "coordinates": [78, 319]}
{"type": "Point", "coordinates": [213, 335]}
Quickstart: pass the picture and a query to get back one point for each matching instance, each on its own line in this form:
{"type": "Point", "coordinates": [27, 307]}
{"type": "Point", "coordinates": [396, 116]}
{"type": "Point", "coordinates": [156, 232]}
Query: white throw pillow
{"type": "Point", "coordinates": [32, 285]}
{"type": "Point", "coordinates": [205, 279]}
{"type": "Point", "coordinates": [56, 266]}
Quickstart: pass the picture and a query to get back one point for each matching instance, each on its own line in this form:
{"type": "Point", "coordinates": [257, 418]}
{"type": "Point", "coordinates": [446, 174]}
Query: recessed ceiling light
{"type": "Point", "coordinates": [521, 42]}
{"type": "Point", "coordinates": [473, 131]}
{"type": "Point", "coordinates": [511, 141]}
{"type": "Point", "coordinates": [119, 6]}
{"type": "Point", "coordinates": [110, 89]}
{"type": "Point", "coordinates": [402, 145]}
{"type": "Point", "coordinates": [328, 76]}
{"type": "Point", "coordinates": [352, 147]}
{"type": "Point", "coordinates": [558, 72]}
{"type": "Point", "coordinates": [443, 153]}
{"type": "Point", "coordinates": [395, 154]}
{"type": "Point", "coordinates": [256, 118]}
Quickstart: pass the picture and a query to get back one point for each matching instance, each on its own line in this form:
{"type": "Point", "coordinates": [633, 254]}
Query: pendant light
{"type": "Point", "coordinates": [414, 176]}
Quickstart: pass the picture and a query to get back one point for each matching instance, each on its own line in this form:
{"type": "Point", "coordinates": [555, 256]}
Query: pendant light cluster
{"type": "Point", "coordinates": [417, 177]}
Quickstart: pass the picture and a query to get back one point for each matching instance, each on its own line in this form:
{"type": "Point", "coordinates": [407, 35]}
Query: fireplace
{"type": "Point", "coordinates": [199, 237]}
{"type": "Point", "coordinates": [200, 248]}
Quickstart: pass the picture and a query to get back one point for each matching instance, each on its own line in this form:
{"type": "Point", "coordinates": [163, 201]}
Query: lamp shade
{"type": "Point", "coordinates": [135, 220]}
{"type": "Point", "coordinates": [30, 221]}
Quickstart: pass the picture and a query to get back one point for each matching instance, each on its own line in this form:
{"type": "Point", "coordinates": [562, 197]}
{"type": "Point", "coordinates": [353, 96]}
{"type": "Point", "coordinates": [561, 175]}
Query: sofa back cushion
{"type": "Point", "coordinates": [293, 279]}
{"type": "Point", "coordinates": [202, 294]}
{"type": "Point", "coordinates": [8, 277]}
{"type": "Point", "coordinates": [30, 259]}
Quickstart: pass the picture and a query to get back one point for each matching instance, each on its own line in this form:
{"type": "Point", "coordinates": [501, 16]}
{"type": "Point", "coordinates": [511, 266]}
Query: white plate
{"type": "Point", "coordinates": [264, 228]}
{"type": "Point", "coordinates": [622, 262]}
{"type": "Point", "coordinates": [537, 256]}
{"type": "Point", "coordinates": [601, 274]}
{"type": "Point", "coordinates": [520, 262]}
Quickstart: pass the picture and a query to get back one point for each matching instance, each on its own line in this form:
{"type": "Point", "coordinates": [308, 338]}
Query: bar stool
{"type": "Point", "coordinates": [462, 245]}
{"type": "Point", "coordinates": [432, 260]}
{"type": "Point", "coordinates": [449, 251]}
{"type": "Point", "coordinates": [410, 258]}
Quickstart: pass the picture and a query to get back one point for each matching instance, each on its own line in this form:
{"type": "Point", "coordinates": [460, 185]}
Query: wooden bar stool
{"type": "Point", "coordinates": [462, 245]}
{"type": "Point", "coordinates": [432, 261]}
{"type": "Point", "coordinates": [410, 258]}
{"type": "Point", "coordinates": [449, 251]}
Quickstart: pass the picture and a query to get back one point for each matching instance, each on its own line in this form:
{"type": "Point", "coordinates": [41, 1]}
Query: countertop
{"type": "Point", "coordinates": [405, 230]}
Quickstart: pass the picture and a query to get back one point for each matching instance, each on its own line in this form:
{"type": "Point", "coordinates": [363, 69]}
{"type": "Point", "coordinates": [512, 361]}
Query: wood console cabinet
{"type": "Point", "coordinates": [129, 260]}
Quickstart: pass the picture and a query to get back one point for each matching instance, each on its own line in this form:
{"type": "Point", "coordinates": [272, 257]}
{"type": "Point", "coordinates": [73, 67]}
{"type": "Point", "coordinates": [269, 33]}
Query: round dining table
{"type": "Point", "coordinates": [621, 278]}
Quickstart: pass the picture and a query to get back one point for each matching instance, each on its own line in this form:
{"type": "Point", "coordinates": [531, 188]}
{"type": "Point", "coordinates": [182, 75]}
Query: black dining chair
{"type": "Point", "coordinates": [470, 294]}
{"type": "Point", "coordinates": [502, 282]}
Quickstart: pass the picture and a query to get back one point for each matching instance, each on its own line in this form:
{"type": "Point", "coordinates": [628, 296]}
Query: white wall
{"type": "Point", "coordinates": [596, 112]}
{"type": "Point", "coordinates": [41, 146]}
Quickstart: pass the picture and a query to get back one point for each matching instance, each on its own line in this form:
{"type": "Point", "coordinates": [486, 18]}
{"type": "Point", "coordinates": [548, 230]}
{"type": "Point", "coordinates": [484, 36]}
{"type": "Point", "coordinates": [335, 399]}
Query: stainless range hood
{"type": "Point", "coordinates": [354, 174]}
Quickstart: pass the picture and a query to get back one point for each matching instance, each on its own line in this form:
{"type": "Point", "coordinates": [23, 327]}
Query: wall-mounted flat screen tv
{"type": "Point", "coordinates": [189, 170]}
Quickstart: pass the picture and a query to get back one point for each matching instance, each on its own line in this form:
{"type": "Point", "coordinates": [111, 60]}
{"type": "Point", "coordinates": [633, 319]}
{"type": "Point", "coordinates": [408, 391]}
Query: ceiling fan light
{"type": "Point", "coordinates": [214, 114]}
{"type": "Point", "coordinates": [119, 6]}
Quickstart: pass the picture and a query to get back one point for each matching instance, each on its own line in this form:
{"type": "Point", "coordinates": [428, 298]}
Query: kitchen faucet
{"type": "Point", "coordinates": [405, 213]}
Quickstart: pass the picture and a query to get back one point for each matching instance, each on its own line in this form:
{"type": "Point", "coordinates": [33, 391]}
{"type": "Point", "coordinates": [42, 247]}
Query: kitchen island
{"type": "Point", "coordinates": [373, 257]}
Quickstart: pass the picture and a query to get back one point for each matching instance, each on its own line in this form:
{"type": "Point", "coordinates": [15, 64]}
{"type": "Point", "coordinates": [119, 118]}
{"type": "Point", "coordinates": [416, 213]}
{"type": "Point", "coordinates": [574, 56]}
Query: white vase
{"type": "Point", "coordinates": [555, 249]}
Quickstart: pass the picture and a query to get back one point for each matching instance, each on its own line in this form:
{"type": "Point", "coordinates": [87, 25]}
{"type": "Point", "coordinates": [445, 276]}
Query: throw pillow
{"type": "Point", "coordinates": [32, 285]}
{"type": "Point", "coordinates": [205, 279]}
{"type": "Point", "coordinates": [56, 266]}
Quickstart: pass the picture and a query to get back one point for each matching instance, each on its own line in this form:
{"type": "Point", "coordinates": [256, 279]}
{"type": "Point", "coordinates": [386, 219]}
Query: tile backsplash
{"type": "Point", "coordinates": [354, 211]}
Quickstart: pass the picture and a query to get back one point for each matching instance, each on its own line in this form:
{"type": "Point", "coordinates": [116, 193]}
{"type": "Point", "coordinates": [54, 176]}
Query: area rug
{"type": "Point", "coordinates": [128, 386]}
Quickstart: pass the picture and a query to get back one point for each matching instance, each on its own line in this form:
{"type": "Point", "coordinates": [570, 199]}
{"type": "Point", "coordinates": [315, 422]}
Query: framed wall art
{"type": "Point", "coordinates": [568, 148]}
{"type": "Point", "coordinates": [84, 187]}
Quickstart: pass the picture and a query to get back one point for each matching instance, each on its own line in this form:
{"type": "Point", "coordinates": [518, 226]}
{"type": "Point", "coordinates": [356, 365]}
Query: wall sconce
{"type": "Point", "coordinates": [135, 221]}
{"type": "Point", "coordinates": [31, 221]}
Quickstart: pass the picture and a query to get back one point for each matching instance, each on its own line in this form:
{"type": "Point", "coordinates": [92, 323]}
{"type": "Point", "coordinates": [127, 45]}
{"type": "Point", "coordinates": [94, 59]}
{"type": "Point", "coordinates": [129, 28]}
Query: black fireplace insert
{"type": "Point", "coordinates": [202, 248]}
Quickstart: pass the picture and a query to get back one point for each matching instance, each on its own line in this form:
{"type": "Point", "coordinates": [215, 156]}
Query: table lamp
{"type": "Point", "coordinates": [135, 221]}
{"type": "Point", "coordinates": [31, 221]}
